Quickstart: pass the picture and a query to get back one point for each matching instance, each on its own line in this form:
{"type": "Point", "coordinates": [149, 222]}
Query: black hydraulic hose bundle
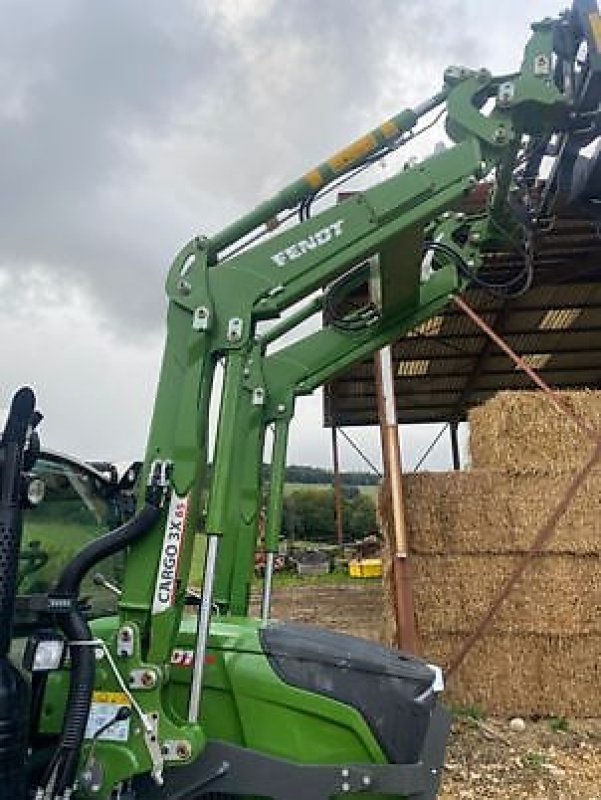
{"type": "Point", "coordinates": [60, 773]}
{"type": "Point", "coordinates": [505, 290]}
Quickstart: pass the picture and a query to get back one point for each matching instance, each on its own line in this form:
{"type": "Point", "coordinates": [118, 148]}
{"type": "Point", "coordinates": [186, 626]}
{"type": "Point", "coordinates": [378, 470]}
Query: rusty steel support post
{"type": "Point", "coordinates": [337, 491]}
{"type": "Point", "coordinates": [391, 457]}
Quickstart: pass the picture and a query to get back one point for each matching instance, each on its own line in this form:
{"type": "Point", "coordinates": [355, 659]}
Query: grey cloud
{"type": "Point", "coordinates": [127, 126]}
{"type": "Point", "coordinates": [94, 74]}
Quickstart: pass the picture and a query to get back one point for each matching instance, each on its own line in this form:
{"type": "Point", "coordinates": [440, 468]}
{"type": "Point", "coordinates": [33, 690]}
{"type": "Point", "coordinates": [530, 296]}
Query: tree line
{"type": "Point", "coordinates": [296, 473]}
{"type": "Point", "coordinates": [309, 514]}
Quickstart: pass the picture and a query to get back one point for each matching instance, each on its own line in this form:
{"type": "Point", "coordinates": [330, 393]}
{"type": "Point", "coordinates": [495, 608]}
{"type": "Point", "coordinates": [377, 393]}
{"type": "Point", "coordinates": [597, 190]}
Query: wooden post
{"type": "Point", "coordinates": [391, 457]}
{"type": "Point", "coordinates": [337, 491]}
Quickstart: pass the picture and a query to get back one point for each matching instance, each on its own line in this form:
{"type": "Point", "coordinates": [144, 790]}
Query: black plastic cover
{"type": "Point", "coordinates": [393, 691]}
{"type": "Point", "coordinates": [14, 713]}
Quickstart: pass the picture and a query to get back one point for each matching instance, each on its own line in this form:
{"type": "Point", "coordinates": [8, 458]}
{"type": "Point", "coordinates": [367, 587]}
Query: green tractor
{"type": "Point", "coordinates": [116, 681]}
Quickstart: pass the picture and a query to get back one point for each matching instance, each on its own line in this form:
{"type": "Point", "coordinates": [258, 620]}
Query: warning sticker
{"type": "Point", "coordinates": [182, 658]}
{"type": "Point", "coordinates": [105, 706]}
{"type": "Point", "coordinates": [354, 152]}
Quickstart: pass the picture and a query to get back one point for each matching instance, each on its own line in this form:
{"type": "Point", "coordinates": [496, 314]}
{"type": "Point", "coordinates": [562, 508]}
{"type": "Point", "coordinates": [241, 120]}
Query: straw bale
{"type": "Point", "coordinates": [557, 595]}
{"type": "Point", "coordinates": [495, 512]}
{"type": "Point", "coordinates": [528, 675]}
{"type": "Point", "coordinates": [522, 431]}
{"type": "Point", "coordinates": [467, 531]}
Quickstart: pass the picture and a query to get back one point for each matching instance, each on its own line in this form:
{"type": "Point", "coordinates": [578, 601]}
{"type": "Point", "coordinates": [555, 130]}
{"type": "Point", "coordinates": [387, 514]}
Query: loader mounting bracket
{"type": "Point", "coordinates": [230, 770]}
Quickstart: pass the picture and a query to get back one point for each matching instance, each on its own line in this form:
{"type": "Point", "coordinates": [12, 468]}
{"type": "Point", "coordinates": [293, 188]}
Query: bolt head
{"type": "Point", "coordinates": [148, 678]}
{"type": "Point", "coordinates": [183, 751]}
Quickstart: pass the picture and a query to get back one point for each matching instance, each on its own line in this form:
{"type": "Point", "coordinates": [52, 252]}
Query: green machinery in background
{"type": "Point", "coordinates": [149, 702]}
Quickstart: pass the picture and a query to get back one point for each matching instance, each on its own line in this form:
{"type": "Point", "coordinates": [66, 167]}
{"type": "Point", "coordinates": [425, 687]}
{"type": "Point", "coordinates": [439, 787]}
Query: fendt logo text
{"type": "Point", "coordinates": [312, 242]}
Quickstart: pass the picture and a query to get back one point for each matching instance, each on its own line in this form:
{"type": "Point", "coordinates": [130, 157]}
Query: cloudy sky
{"type": "Point", "coordinates": [128, 126]}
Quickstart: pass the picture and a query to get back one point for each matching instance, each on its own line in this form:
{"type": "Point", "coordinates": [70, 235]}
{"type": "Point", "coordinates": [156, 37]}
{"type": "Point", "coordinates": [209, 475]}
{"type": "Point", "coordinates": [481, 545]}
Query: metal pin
{"type": "Point", "coordinates": [202, 628]}
{"type": "Point", "coordinates": [267, 583]}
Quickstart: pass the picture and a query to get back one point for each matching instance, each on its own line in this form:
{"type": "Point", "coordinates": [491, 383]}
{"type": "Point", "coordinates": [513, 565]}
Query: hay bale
{"type": "Point", "coordinates": [528, 675]}
{"type": "Point", "coordinates": [558, 595]}
{"type": "Point", "coordinates": [467, 532]}
{"type": "Point", "coordinates": [523, 431]}
{"type": "Point", "coordinates": [486, 512]}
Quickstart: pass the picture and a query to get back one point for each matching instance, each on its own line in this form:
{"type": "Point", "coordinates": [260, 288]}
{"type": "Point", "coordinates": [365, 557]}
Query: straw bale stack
{"type": "Point", "coordinates": [496, 512]}
{"type": "Point", "coordinates": [522, 431]}
{"type": "Point", "coordinates": [524, 674]}
{"type": "Point", "coordinates": [467, 533]}
{"type": "Point", "coordinates": [557, 596]}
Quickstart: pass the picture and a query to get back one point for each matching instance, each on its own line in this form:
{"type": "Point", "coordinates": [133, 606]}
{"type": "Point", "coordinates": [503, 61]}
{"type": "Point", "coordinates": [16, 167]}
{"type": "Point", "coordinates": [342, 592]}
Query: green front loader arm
{"type": "Point", "coordinates": [216, 305]}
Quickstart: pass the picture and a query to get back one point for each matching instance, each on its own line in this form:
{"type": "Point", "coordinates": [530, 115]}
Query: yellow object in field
{"type": "Point", "coordinates": [365, 568]}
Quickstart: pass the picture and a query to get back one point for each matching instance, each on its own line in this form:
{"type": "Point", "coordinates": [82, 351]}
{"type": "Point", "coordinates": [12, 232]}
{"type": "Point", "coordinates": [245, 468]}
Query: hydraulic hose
{"type": "Point", "coordinates": [76, 629]}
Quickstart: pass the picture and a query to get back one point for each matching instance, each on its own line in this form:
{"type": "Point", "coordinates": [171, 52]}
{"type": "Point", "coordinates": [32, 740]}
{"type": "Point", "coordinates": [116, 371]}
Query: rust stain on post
{"type": "Point", "coordinates": [391, 457]}
{"type": "Point", "coordinates": [337, 489]}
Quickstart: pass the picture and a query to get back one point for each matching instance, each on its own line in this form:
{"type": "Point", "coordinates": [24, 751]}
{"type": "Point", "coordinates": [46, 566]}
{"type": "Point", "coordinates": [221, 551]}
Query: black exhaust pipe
{"type": "Point", "coordinates": [14, 691]}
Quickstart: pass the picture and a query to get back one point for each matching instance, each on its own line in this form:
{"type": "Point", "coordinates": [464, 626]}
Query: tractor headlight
{"type": "Point", "coordinates": [44, 652]}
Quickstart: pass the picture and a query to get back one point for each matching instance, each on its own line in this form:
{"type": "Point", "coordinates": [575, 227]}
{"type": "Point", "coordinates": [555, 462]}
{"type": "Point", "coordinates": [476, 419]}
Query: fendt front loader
{"type": "Point", "coordinates": [151, 703]}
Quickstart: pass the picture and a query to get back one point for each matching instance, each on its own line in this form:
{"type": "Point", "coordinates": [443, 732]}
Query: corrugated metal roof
{"type": "Point", "coordinates": [448, 365]}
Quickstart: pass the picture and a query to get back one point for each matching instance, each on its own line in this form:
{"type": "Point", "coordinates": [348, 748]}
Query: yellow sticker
{"type": "Point", "coordinates": [595, 22]}
{"type": "Point", "coordinates": [314, 179]}
{"type": "Point", "coordinates": [114, 698]}
{"type": "Point", "coordinates": [389, 128]}
{"type": "Point", "coordinates": [355, 151]}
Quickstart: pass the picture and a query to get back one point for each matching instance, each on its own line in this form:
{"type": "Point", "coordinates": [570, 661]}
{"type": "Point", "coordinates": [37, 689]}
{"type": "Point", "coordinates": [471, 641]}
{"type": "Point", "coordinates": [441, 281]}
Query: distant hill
{"type": "Point", "coordinates": [313, 475]}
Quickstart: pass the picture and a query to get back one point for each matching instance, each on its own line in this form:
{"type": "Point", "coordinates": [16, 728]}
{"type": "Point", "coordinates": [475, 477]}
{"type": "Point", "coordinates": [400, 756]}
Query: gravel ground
{"type": "Point", "coordinates": [548, 760]}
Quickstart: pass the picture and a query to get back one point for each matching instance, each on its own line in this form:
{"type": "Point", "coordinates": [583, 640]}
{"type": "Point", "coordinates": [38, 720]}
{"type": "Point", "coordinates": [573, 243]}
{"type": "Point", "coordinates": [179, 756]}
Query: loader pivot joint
{"type": "Point", "coordinates": [159, 481]}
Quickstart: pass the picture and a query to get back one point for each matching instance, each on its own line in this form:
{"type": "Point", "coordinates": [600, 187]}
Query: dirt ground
{"type": "Point", "coordinates": [548, 760]}
{"type": "Point", "coordinates": [486, 759]}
